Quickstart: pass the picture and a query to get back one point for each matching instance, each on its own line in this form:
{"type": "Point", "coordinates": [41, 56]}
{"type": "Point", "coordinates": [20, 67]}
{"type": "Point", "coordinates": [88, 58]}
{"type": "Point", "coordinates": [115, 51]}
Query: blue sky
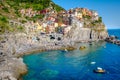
{"type": "Point", "coordinates": [109, 10]}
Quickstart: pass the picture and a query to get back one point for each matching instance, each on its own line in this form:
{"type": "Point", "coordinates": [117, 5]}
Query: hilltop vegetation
{"type": "Point", "coordinates": [9, 10]}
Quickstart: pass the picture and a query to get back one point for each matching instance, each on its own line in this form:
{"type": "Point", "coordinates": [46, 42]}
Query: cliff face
{"type": "Point", "coordinates": [86, 25]}
{"type": "Point", "coordinates": [78, 33]}
{"type": "Point", "coordinates": [12, 68]}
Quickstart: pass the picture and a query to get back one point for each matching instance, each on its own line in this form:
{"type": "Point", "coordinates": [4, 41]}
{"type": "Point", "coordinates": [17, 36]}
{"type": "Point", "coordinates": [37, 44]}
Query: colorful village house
{"type": "Point", "coordinates": [95, 15]}
{"type": "Point", "coordinates": [39, 27]}
{"type": "Point", "coordinates": [84, 12]}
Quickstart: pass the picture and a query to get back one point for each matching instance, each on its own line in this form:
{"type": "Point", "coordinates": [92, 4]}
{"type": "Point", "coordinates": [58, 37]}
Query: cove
{"type": "Point", "coordinates": [75, 65]}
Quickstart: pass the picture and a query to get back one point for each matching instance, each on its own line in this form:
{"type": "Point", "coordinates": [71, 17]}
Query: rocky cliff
{"type": "Point", "coordinates": [86, 27]}
{"type": "Point", "coordinates": [12, 68]}
{"type": "Point", "coordinates": [86, 34]}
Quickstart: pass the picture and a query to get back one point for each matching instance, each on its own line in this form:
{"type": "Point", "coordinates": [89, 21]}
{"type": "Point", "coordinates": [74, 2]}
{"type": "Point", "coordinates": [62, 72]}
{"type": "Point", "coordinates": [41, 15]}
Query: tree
{"type": "Point", "coordinates": [100, 19]}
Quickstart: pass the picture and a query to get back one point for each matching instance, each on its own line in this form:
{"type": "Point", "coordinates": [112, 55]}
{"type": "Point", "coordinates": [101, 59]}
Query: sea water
{"type": "Point", "coordinates": [77, 64]}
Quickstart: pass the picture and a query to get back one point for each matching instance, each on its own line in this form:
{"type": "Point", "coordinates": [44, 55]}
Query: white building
{"type": "Point", "coordinates": [77, 22]}
{"type": "Point", "coordinates": [44, 25]}
{"type": "Point", "coordinates": [94, 13]}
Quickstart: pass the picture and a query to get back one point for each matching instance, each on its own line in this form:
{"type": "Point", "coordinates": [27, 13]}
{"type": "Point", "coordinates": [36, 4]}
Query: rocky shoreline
{"type": "Point", "coordinates": [14, 46]}
{"type": "Point", "coordinates": [54, 30]}
{"type": "Point", "coordinates": [12, 69]}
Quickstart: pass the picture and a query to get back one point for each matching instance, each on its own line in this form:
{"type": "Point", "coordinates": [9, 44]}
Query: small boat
{"type": "Point", "coordinates": [92, 62]}
{"type": "Point", "coordinates": [82, 47]}
{"type": "Point", "coordinates": [99, 70]}
{"type": "Point", "coordinates": [66, 50]}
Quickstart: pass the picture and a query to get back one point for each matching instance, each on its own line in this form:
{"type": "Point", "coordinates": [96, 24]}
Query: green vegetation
{"type": "Point", "coordinates": [57, 8]}
{"type": "Point", "coordinates": [9, 10]}
{"type": "Point", "coordinates": [37, 17]}
{"type": "Point", "coordinates": [5, 9]}
{"type": "Point", "coordinates": [3, 19]}
{"type": "Point", "coordinates": [23, 21]}
{"type": "Point", "coordinates": [34, 4]}
{"type": "Point", "coordinates": [34, 18]}
{"type": "Point", "coordinates": [100, 19]}
{"type": "Point", "coordinates": [3, 24]}
{"type": "Point", "coordinates": [20, 28]}
{"type": "Point", "coordinates": [86, 16]}
{"type": "Point", "coordinates": [14, 6]}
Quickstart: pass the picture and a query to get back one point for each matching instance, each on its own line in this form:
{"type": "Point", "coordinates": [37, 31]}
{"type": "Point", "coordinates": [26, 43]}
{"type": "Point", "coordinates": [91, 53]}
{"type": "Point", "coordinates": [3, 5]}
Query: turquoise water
{"type": "Point", "coordinates": [76, 65]}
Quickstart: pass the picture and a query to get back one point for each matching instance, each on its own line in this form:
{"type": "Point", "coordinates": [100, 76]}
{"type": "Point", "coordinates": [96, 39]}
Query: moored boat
{"type": "Point", "coordinates": [99, 70]}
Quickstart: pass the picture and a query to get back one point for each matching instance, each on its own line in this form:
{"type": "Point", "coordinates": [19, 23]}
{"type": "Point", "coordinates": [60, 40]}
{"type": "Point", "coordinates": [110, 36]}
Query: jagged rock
{"type": "Point", "coordinates": [17, 66]}
{"type": "Point", "coordinates": [85, 34]}
{"type": "Point", "coordinates": [12, 68]}
{"type": "Point", "coordinates": [6, 75]}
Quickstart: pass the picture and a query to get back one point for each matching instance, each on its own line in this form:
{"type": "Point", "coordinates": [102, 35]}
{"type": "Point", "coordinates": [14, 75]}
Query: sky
{"type": "Point", "coordinates": [109, 10]}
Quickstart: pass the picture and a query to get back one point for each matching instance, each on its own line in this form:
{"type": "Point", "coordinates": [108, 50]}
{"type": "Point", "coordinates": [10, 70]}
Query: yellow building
{"type": "Point", "coordinates": [39, 27]}
{"type": "Point", "coordinates": [56, 24]}
{"type": "Point", "coordinates": [80, 15]}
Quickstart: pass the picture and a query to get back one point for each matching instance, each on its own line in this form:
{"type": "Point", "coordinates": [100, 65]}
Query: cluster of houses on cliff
{"type": "Point", "coordinates": [60, 22]}
{"type": "Point", "coordinates": [80, 13]}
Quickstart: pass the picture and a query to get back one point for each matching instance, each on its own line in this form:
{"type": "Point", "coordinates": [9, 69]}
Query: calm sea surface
{"type": "Point", "coordinates": [76, 65]}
